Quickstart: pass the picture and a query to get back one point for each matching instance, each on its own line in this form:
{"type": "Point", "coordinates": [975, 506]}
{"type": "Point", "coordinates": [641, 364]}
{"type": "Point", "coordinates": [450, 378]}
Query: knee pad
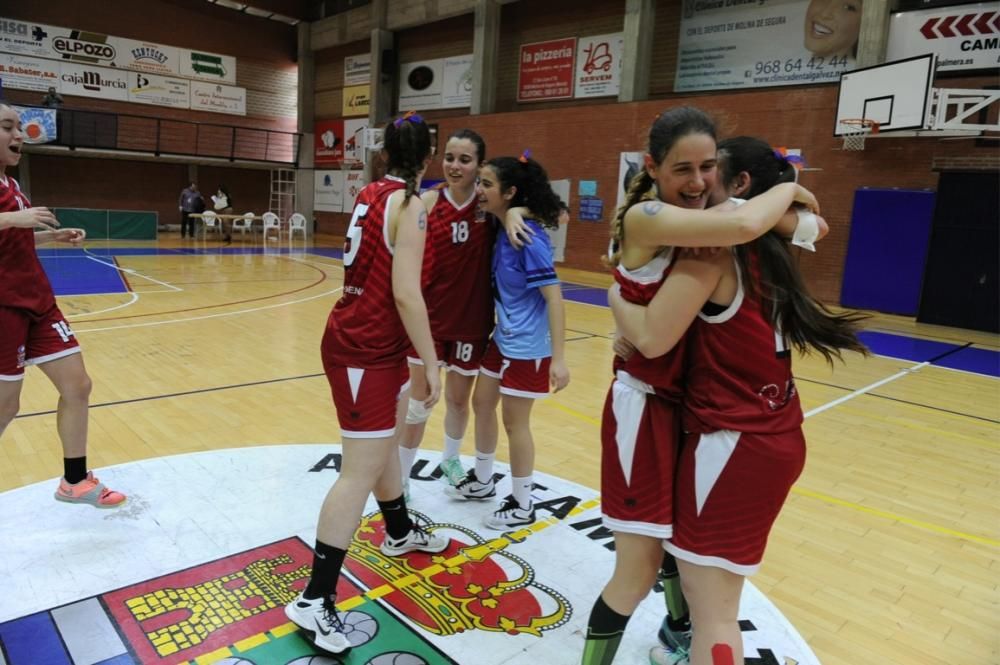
{"type": "Point", "coordinates": [416, 412]}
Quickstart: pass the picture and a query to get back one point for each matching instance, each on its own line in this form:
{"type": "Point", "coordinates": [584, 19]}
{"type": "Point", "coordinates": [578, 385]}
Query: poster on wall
{"type": "Point", "coordinates": [328, 142]}
{"type": "Point", "coordinates": [599, 65]}
{"type": "Point", "coordinates": [28, 73]}
{"type": "Point", "coordinates": [420, 85]}
{"type": "Point", "coordinates": [962, 37]}
{"type": "Point", "coordinates": [456, 83]}
{"type": "Point", "coordinates": [769, 43]}
{"type": "Point", "coordinates": [145, 56]}
{"type": "Point", "coordinates": [25, 38]}
{"type": "Point", "coordinates": [356, 100]}
{"type": "Point", "coordinates": [207, 66]}
{"type": "Point", "coordinates": [87, 81]}
{"type": "Point", "coordinates": [159, 90]}
{"type": "Point", "coordinates": [354, 139]}
{"type": "Point", "coordinates": [545, 70]}
{"type": "Point", "coordinates": [329, 190]}
{"type": "Point", "coordinates": [629, 165]}
{"type": "Point", "coordinates": [357, 69]}
{"type": "Point", "coordinates": [218, 98]}
{"type": "Point", "coordinates": [354, 182]}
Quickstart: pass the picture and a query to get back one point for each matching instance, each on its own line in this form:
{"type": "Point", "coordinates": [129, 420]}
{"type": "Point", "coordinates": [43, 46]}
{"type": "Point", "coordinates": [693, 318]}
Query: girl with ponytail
{"type": "Point", "coordinates": [526, 355]}
{"type": "Point", "coordinates": [746, 307]}
{"type": "Point", "coordinates": [364, 356]}
{"type": "Point", "coordinates": [664, 209]}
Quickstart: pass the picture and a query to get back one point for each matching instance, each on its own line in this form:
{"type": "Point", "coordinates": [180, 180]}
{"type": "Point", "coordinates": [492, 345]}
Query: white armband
{"type": "Point", "coordinates": [806, 231]}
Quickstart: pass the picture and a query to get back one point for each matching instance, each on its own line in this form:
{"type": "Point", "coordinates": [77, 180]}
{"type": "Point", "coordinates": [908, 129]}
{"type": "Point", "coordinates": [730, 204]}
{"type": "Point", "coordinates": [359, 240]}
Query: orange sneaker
{"type": "Point", "coordinates": [90, 490]}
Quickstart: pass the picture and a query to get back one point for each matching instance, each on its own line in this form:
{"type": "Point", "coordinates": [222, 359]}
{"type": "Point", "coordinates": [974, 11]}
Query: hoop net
{"type": "Point", "coordinates": [855, 131]}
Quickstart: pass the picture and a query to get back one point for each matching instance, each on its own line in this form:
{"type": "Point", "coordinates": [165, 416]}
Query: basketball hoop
{"type": "Point", "coordinates": [856, 130]}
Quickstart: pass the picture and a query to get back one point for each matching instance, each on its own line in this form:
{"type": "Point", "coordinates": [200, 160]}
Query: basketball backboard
{"type": "Point", "coordinates": [896, 95]}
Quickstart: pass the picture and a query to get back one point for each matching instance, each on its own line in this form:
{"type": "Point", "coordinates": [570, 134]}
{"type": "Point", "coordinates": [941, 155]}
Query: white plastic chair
{"type": "Point", "coordinates": [244, 224]}
{"type": "Point", "coordinates": [297, 222]}
{"type": "Point", "coordinates": [210, 222]}
{"type": "Point", "coordinates": [271, 221]}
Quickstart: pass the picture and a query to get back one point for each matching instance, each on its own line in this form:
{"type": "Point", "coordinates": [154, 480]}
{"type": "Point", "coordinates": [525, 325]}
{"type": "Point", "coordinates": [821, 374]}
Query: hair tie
{"type": "Point", "coordinates": [525, 156]}
{"type": "Point", "coordinates": [409, 116]}
{"type": "Point", "coordinates": [794, 160]}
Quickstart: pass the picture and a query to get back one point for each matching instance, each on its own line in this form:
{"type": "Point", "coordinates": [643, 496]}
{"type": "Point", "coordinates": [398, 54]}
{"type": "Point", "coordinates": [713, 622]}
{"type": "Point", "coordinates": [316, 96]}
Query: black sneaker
{"type": "Point", "coordinates": [471, 488]}
{"type": "Point", "coordinates": [510, 515]}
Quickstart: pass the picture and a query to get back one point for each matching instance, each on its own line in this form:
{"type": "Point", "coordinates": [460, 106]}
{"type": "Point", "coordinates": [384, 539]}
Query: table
{"type": "Point", "coordinates": [223, 218]}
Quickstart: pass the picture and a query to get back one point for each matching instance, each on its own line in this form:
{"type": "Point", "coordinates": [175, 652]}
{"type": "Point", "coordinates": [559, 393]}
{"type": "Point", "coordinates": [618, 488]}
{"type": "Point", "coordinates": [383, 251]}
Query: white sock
{"type": "Point", "coordinates": [451, 447]}
{"type": "Point", "coordinates": [484, 466]}
{"type": "Point", "coordinates": [406, 457]}
{"type": "Point", "coordinates": [522, 490]}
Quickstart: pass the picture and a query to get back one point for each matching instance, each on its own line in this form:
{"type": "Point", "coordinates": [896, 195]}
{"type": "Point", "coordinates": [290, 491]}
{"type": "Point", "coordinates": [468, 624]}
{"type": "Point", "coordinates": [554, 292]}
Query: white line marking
{"type": "Point", "coordinates": [862, 391]}
{"type": "Point", "coordinates": [209, 316]}
{"type": "Point", "coordinates": [129, 271]}
{"type": "Point", "coordinates": [135, 297]}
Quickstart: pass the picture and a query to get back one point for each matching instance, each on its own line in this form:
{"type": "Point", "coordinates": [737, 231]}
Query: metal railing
{"type": "Point", "coordinates": [161, 136]}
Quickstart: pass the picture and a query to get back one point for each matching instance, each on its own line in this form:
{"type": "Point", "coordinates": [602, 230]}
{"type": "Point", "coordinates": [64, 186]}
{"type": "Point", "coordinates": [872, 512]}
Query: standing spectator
{"type": "Point", "coordinates": [191, 202]}
{"type": "Point", "coordinates": [52, 99]}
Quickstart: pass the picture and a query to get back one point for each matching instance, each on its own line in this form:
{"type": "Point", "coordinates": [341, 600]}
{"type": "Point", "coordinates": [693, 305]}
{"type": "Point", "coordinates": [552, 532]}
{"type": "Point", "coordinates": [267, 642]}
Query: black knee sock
{"type": "Point", "coordinates": [678, 615]}
{"type": "Point", "coordinates": [74, 469]}
{"type": "Point", "coordinates": [397, 519]}
{"type": "Point", "coordinates": [327, 562]}
{"type": "Point", "coordinates": [604, 633]}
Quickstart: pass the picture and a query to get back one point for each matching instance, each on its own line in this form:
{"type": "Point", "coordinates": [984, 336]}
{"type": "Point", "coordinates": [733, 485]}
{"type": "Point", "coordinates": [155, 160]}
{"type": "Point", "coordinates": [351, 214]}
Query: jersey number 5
{"type": "Point", "coordinates": [352, 242]}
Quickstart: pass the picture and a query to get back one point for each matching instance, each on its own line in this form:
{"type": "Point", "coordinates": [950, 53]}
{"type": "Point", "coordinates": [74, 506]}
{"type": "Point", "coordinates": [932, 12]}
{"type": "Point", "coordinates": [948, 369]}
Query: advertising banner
{"type": "Point", "coordinates": [546, 71]}
{"type": "Point", "coordinates": [356, 100]}
{"type": "Point", "coordinates": [741, 44]}
{"type": "Point", "coordinates": [207, 66]}
{"type": "Point", "coordinates": [420, 85]}
{"type": "Point", "coordinates": [354, 182]}
{"type": "Point", "coordinates": [599, 65]}
{"type": "Point", "coordinates": [87, 81]}
{"type": "Point", "coordinates": [962, 37]}
{"type": "Point", "coordinates": [357, 69]}
{"type": "Point", "coordinates": [27, 73]}
{"type": "Point", "coordinates": [146, 57]}
{"type": "Point", "coordinates": [456, 86]}
{"type": "Point", "coordinates": [329, 195]}
{"type": "Point", "coordinates": [159, 90]}
{"type": "Point", "coordinates": [218, 98]}
{"type": "Point", "coordinates": [38, 125]}
{"type": "Point", "coordinates": [354, 139]}
{"type": "Point", "coordinates": [329, 142]}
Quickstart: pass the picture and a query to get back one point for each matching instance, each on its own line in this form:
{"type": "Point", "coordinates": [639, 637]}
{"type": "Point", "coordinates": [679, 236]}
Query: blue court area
{"type": "Point", "coordinates": [941, 354]}
{"type": "Point", "coordinates": [73, 273]}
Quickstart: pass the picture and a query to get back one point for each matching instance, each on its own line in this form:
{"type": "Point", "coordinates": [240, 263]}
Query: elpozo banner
{"type": "Point", "coordinates": [92, 48]}
{"type": "Point", "coordinates": [962, 37]}
{"type": "Point", "coordinates": [727, 44]}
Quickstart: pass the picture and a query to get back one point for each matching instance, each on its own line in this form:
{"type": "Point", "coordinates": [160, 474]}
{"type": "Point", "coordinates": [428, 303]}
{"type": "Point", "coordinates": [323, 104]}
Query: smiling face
{"type": "Point", "coordinates": [11, 137]}
{"type": "Point", "coordinates": [461, 163]}
{"type": "Point", "coordinates": [491, 198]}
{"type": "Point", "coordinates": [832, 26]}
{"type": "Point", "coordinates": [687, 174]}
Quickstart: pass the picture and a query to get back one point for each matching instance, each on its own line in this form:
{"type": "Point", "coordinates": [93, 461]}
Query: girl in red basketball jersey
{"type": "Point", "coordinates": [456, 286]}
{"type": "Point", "coordinates": [743, 445]}
{"type": "Point", "coordinates": [640, 426]}
{"type": "Point", "coordinates": [32, 329]}
{"type": "Point", "coordinates": [364, 356]}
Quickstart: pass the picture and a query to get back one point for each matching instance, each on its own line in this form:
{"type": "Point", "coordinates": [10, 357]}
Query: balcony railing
{"type": "Point", "coordinates": [160, 136]}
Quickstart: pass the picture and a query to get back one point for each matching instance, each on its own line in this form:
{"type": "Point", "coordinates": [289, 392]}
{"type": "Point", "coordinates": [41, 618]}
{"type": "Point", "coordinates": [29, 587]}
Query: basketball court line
{"type": "Point", "coordinates": [129, 271]}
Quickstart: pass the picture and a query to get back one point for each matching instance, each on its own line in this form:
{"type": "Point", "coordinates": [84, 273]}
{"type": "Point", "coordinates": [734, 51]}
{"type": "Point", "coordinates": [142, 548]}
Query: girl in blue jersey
{"type": "Point", "coordinates": [526, 355]}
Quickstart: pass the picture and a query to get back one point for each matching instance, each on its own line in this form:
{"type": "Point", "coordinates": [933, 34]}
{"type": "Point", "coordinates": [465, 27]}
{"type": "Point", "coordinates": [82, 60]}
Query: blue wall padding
{"type": "Point", "coordinates": [887, 250]}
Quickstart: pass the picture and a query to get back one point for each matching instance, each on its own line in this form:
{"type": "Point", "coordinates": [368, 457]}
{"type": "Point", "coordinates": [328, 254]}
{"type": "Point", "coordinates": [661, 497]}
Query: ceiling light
{"type": "Point", "coordinates": [231, 4]}
{"type": "Point", "coordinates": [254, 11]}
{"type": "Point", "coordinates": [285, 19]}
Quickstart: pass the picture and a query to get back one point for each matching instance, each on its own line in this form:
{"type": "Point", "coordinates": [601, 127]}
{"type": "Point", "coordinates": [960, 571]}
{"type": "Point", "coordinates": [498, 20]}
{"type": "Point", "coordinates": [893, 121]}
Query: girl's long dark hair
{"type": "Point", "coordinates": [533, 188]}
{"type": "Point", "coordinates": [667, 129]}
{"type": "Point", "coordinates": [407, 142]}
{"type": "Point", "coordinates": [807, 323]}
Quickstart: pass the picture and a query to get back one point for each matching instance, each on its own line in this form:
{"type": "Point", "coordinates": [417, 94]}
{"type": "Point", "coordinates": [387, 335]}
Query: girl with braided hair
{"type": "Point", "coordinates": [739, 313]}
{"type": "Point", "coordinates": [364, 356]}
{"type": "Point", "coordinates": [640, 429]}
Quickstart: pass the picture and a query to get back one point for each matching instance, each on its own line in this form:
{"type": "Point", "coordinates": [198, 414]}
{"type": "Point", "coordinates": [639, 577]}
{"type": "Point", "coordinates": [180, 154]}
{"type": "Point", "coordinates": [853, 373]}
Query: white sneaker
{"type": "Point", "coordinates": [660, 655]}
{"type": "Point", "coordinates": [510, 515]}
{"type": "Point", "coordinates": [325, 625]}
{"type": "Point", "coordinates": [416, 539]}
{"type": "Point", "coordinates": [471, 488]}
